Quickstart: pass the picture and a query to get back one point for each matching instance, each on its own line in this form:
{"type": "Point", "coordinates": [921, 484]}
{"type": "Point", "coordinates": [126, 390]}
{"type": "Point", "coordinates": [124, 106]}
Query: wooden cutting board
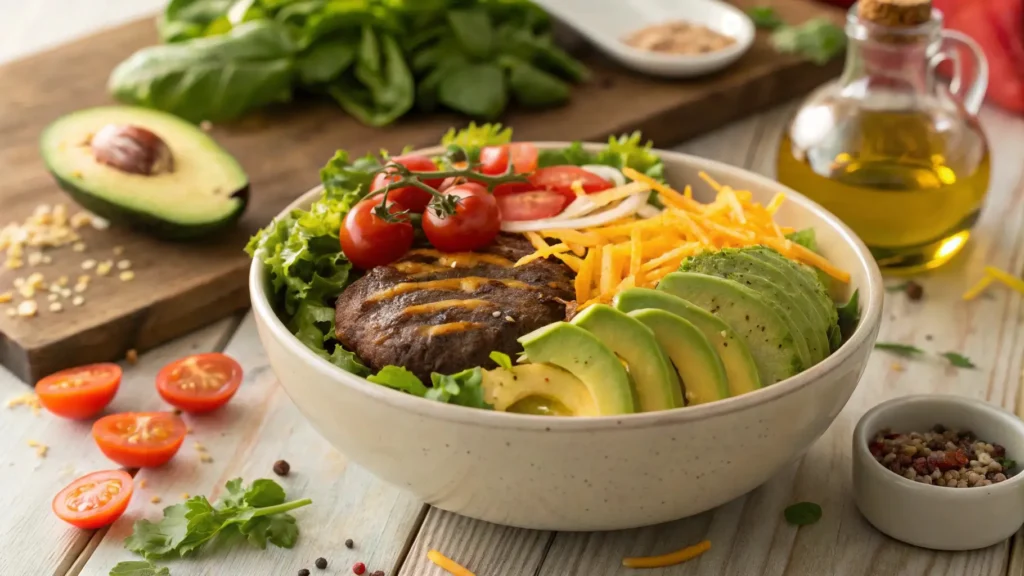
{"type": "Point", "coordinates": [180, 287]}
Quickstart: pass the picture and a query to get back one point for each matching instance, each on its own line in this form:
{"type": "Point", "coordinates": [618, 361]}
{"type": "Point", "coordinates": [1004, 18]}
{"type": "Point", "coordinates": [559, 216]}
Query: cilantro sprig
{"type": "Point", "coordinates": [909, 351]}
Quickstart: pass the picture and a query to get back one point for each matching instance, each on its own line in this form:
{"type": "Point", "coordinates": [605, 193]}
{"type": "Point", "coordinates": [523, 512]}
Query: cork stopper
{"type": "Point", "coordinates": [900, 13]}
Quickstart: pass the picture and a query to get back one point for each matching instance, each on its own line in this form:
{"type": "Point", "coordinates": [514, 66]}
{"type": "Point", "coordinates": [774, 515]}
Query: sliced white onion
{"type": "Point", "coordinates": [627, 207]}
{"type": "Point", "coordinates": [607, 172]}
{"type": "Point", "coordinates": [648, 211]}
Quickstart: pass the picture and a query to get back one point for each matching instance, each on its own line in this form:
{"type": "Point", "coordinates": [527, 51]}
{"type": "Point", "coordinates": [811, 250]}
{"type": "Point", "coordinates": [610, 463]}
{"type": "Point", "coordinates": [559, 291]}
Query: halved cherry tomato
{"type": "Point", "coordinates": [474, 225]}
{"type": "Point", "coordinates": [411, 197]}
{"type": "Point", "coordinates": [94, 500]}
{"type": "Point", "coordinates": [560, 178]}
{"type": "Point", "coordinates": [369, 241]}
{"type": "Point", "coordinates": [139, 439]}
{"type": "Point", "coordinates": [200, 382]}
{"type": "Point", "coordinates": [494, 159]}
{"type": "Point", "coordinates": [531, 205]}
{"type": "Point", "coordinates": [80, 392]}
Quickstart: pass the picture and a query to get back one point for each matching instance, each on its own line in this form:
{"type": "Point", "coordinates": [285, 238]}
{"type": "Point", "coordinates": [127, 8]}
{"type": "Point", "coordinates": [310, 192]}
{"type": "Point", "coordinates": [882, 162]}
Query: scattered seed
{"type": "Point", "coordinates": [19, 282]}
{"type": "Point", "coordinates": [124, 264]}
{"type": "Point", "coordinates": [103, 268]}
{"type": "Point", "coordinates": [41, 450]}
{"type": "Point", "coordinates": [282, 468]}
{"type": "Point", "coordinates": [349, 544]}
{"type": "Point", "coordinates": [13, 264]}
{"type": "Point", "coordinates": [78, 300]}
{"type": "Point", "coordinates": [155, 499]}
{"type": "Point", "coordinates": [126, 276]}
{"type": "Point", "coordinates": [206, 458]}
{"type": "Point", "coordinates": [79, 288]}
{"type": "Point", "coordinates": [53, 297]}
{"type": "Point", "coordinates": [496, 314]}
{"type": "Point", "coordinates": [30, 399]}
{"type": "Point", "coordinates": [303, 572]}
{"type": "Point", "coordinates": [185, 495]}
{"type": "Point", "coordinates": [35, 258]}
{"type": "Point", "coordinates": [28, 308]}
{"type": "Point", "coordinates": [142, 483]}
{"type": "Point", "coordinates": [56, 307]}
{"type": "Point", "coordinates": [32, 443]}
{"type": "Point", "coordinates": [118, 250]}
{"type": "Point", "coordinates": [321, 563]}
{"type": "Point", "coordinates": [199, 447]}
{"type": "Point", "coordinates": [99, 223]}
{"type": "Point", "coordinates": [131, 356]}
{"type": "Point", "coordinates": [6, 297]}
{"type": "Point", "coordinates": [27, 291]}
{"type": "Point", "coordinates": [47, 259]}
{"type": "Point", "coordinates": [12, 312]}
{"type": "Point", "coordinates": [88, 264]}
{"type": "Point", "coordinates": [205, 125]}
{"type": "Point", "coordinates": [78, 246]}
{"type": "Point", "coordinates": [83, 279]}
{"type": "Point", "coordinates": [509, 319]}
{"type": "Point", "coordinates": [188, 429]}
{"type": "Point", "coordinates": [897, 367]}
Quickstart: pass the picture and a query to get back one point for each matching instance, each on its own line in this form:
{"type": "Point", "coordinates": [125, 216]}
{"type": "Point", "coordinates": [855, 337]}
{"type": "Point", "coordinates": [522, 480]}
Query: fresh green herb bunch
{"type": "Point", "coordinates": [376, 58]}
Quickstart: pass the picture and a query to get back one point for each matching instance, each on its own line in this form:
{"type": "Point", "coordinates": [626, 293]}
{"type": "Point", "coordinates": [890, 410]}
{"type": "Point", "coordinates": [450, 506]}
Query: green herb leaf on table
{"type": "Point", "coordinates": [958, 360]}
{"type": "Point", "coordinates": [139, 568]}
{"type": "Point", "coordinates": [819, 40]}
{"type": "Point", "coordinates": [900, 287]}
{"type": "Point", "coordinates": [765, 17]}
{"type": "Point", "coordinates": [501, 359]}
{"type": "Point", "coordinates": [379, 88]}
{"type": "Point", "coordinates": [803, 513]}
{"type": "Point", "coordinates": [399, 378]}
{"type": "Point", "coordinates": [904, 350]}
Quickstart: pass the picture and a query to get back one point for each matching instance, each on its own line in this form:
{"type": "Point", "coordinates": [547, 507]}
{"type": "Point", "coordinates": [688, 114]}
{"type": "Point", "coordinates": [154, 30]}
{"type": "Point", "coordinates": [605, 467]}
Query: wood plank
{"type": "Point", "coordinates": [34, 540]}
{"type": "Point", "coordinates": [259, 427]}
{"type": "Point", "coordinates": [181, 287]}
{"type": "Point", "coordinates": [748, 535]}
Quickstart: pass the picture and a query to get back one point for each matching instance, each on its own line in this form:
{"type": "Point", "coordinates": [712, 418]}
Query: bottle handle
{"type": "Point", "coordinates": [974, 96]}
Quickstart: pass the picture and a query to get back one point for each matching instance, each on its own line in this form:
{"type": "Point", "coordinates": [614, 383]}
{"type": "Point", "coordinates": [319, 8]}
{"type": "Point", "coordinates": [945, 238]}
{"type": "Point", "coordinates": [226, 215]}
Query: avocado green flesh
{"type": "Point", "coordinates": [740, 370]}
{"type": "Point", "coordinates": [698, 365]}
{"type": "Point", "coordinates": [586, 357]}
{"type": "Point", "coordinates": [542, 389]}
{"type": "Point", "coordinates": [788, 302]}
{"type": "Point", "coordinates": [770, 340]}
{"type": "Point", "coordinates": [540, 406]}
{"type": "Point", "coordinates": [657, 386]}
{"type": "Point", "coordinates": [205, 190]}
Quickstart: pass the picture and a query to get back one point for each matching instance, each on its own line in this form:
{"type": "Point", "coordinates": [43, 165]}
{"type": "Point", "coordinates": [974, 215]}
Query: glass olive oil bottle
{"type": "Point", "coordinates": [891, 148]}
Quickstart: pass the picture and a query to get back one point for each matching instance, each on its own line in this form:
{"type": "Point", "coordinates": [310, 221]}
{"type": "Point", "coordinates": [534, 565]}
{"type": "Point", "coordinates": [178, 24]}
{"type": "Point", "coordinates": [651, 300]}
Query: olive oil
{"type": "Point", "coordinates": [909, 183]}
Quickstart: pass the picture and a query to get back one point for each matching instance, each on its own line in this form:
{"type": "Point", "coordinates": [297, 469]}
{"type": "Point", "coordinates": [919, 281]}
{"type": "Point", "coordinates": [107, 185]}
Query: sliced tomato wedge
{"type": "Point", "coordinates": [560, 179]}
{"type": "Point", "coordinates": [531, 205]}
{"type": "Point", "coordinates": [199, 383]}
{"type": "Point", "coordinates": [94, 500]}
{"type": "Point", "coordinates": [80, 392]}
{"type": "Point", "coordinates": [494, 159]}
{"type": "Point", "coordinates": [139, 439]}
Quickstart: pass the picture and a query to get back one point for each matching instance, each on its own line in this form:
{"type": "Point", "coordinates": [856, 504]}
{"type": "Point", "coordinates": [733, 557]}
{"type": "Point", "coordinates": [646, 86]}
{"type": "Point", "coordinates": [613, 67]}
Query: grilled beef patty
{"type": "Point", "coordinates": [437, 312]}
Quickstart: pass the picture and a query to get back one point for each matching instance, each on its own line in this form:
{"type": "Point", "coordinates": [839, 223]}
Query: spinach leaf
{"type": "Point", "coordinates": [326, 60]}
{"type": "Point", "coordinates": [187, 19]}
{"type": "Point", "coordinates": [472, 29]}
{"type": "Point", "coordinates": [216, 78]}
{"type": "Point", "coordinates": [476, 90]}
{"type": "Point", "coordinates": [535, 87]}
{"type": "Point", "coordinates": [380, 89]}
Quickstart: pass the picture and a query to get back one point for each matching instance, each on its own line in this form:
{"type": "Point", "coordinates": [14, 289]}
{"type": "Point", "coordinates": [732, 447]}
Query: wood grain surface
{"type": "Point", "coordinates": [178, 288]}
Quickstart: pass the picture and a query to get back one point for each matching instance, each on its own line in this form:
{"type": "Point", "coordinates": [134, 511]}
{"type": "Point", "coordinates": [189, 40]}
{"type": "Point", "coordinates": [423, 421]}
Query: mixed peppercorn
{"type": "Point", "coordinates": [943, 457]}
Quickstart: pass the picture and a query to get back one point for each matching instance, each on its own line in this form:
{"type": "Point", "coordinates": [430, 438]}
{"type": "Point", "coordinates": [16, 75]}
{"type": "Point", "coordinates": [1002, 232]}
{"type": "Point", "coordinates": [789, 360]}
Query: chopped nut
{"type": "Point", "coordinates": [103, 268]}
{"type": "Point", "coordinates": [41, 450]}
{"type": "Point", "coordinates": [78, 300]}
{"type": "Point", "coordinates": [30, 399]}
{"type": "Point", "coordinates": [56, 307]}
{"type": "Point", "coordinates": [65, 292]}
{"type": "Point", "coordinates": [509, 319]}
{"type": "Point", "coordinates": [142, 483]}
{"type": "Point", "coordinates": [897, 367]}
{"type": "Point", "coordinates": [118, 250]}
{"type": "Point", "coordinates": [155, 499]}
{"type": "Point", "coordinates": [13, 263]}
{"type": "Point", "coordinates": [124, 264]}
{"type": "Point", "coordinates": [53, 297]}
{"type": "Point", "coordinates": [19, 282]}
{"type": "Point", "coordinates": [132, 356]}
{"type": "Point", "coordinates": [99, 223]}
{"type": "Point", "coordinates": [12, 312]}
{"type": "Point", "coordinates": [88, 264]}
{"type": "Point", "coordinates": [496, 314]}
{"type": "Point", "coordinates": [81, 219]}
{"type": "Point", "coordinates": [27, 308]}
{"type": "Point", "coordinates": [80, 287]}
{"type": "Point", "coordinates": [47, 259]}
{"type": "Point", "coordinates": [206, 458]}
{"type": "Point", "coordinates": [185, 495]}
{"type": "Point", "coordinates": [6, 297]}
{"type": "Point", "coordinates": [78, 246]}
{"type": "Point", "coordinates": [126, 276]}
{"type": "Point", "coordinates": [199, 447]}
{"type": "Point", "coordinates": [35, 258]}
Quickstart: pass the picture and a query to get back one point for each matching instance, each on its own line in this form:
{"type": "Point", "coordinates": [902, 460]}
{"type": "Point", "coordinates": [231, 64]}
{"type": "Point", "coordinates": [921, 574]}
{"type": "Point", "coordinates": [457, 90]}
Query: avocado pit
{"type": "Point", "coordinates": [132, 149]}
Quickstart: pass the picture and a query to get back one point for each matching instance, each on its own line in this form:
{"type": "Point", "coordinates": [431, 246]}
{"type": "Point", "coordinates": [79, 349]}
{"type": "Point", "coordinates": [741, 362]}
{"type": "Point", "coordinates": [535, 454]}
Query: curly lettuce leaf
{"type": "Point", "coordinates": [398, 378]}
{"type": "Point", "coordinates": [805, 238]}
{"type": "Point", "coordinates": [472, 138]}
{"type": "Point", "coordinates": [625, 151]}
{"type": "Point", "coordinates": [463, 388]}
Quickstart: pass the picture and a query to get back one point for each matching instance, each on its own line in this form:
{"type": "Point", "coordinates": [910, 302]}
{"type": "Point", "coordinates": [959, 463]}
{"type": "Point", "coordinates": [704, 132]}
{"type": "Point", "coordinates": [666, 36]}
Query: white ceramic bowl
{"type": "Point", "coordinates": [606, 23]}
{"type": "Point", "coordinates": [937, 517]}
{"type": "Point", "coordinates": [598, 473]}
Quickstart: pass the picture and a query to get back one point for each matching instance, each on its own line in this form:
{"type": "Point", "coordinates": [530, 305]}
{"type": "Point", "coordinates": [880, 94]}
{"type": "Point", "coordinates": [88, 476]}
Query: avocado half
{"type": "Point", "coordinates": [146, 169]}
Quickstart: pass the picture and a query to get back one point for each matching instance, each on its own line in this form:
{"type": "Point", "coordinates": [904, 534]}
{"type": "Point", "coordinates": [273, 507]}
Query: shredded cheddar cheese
{"type": "Point", "coordinates": [993, 274]}
{"type": "Point", "coordinates": [677, 557]}
{"type": "Point", "coordinates": [447, 564]}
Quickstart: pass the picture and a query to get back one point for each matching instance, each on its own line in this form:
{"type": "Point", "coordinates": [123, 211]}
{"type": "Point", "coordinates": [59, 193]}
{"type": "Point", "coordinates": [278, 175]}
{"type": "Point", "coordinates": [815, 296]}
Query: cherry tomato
{"type": "Point", "coordinates": [139, 439]}
{"type": "Point", "coordinates": [560, 178]}
{"type": "Point", "coordinates": [474, 225]}
{"type": "Point", "coordinates": [94, 500]}
{"type": "Point", "coordinates": [369, 241]}
{"type": "Point", "coordinates": [531, 205]}
{"type": "Point", "coordinates": [411, 197]}
{"type": "Point", "coordinates": [80, 392]}
{"type": "Point", "coordinates": [199, 383]}
{"type": "Point", "coordinates": [494, 159]}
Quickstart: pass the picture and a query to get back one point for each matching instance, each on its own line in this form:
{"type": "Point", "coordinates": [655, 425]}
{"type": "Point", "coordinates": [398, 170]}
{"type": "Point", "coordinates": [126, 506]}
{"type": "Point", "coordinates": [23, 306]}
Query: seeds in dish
{"type": "Point", "coordinates": [560, 282]}
{"type": "Point", "coordinates": [942, 457]}
{"type": "Point", "coordinates": [679, 37]}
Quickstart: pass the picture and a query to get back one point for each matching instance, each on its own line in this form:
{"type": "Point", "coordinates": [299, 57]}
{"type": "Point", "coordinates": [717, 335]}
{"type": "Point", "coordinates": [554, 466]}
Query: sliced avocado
{"type": "Point", "coordinates": [587, 358]}
{"type": "Point", "coordinates": [770, 340]}
{"type": "Point", "coordinates": [541, 389]}
{"type": "Point", "coordinates": [656, 383]}
{"type": "Point", "coordinates": [696, 361]}
{"type": "Point", "coordinates": [811, 284]}
{"type": "Point", "coordinates": [146, 169]}
{"type": "Point", "coordinates": [788, 302]}
{"type": "Point", "coordinates": [740, 370]}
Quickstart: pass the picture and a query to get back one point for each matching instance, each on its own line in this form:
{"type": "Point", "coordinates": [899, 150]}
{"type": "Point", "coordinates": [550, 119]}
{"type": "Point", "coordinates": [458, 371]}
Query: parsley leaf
{"type": "Point", "coordinates": [138, 568]}
{"type": "Point", "coordinates": [818, 40]}
{"type": "Point", "coordinates": [501, 359]}
{"type": "Point", "coordinates": [904, 350]}
{"type": "Point", "coordinates": [803, 513]}
{"type": "Point", "coordinates": [958, 360]}
{"type": "Point", "coordinates": [1007, 464]}
{"type": "Point", "coordinates": [765, 17]}
{"type": "Point", "coordinates": [258, 512]}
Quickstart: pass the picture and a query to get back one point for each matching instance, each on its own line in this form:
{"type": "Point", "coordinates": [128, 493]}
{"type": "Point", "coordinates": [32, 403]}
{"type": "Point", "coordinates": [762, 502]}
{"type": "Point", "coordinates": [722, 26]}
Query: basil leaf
{"type": "Point", "coordinates": [476, 90]}
{"type": "Point", "coordinates": [472, 29]}
{"type": "Point", "coordinates": [535, 87]}
{"type": "Point", "coordinates": [326, 60]}
{"type": "Point", "coordinates": [381, 88]}
{"type": "Point", "coordinates": [803, 513]}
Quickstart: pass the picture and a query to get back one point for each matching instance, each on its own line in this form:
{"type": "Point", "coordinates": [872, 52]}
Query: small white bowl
{"type": "Point", "coordinates": [938, 517]}
{"type": "Point", "coordinates": [607, 23]}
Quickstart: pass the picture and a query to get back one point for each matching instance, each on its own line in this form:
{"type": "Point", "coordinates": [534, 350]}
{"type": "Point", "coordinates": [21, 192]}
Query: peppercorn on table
{"type": "Point", "coordinates": [358, 524]}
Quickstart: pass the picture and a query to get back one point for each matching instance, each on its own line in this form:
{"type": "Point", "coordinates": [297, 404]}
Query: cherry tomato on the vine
{"type": "Point", "coordinates": [530, 205]}
{"type": "Point", "coordinates": [494, 160]}
{"type": "Point", "coordinates": [368, 240]}
{"type": "Point", "coordinates": [94, 500]}
{"type": "Point", "coordinates": [413, 198]}
{"type": "Point", "coordinates": [560, 179]}
{"type": "Point", "coordinates": [477, 220]}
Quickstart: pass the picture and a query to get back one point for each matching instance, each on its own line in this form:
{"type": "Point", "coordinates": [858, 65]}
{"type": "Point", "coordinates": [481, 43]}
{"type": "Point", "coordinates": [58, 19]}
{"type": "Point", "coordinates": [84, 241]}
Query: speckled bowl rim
{"type": "Point", "coordinates": [872, 295]}
{"type": "Point", "coordinates": [868, 464]}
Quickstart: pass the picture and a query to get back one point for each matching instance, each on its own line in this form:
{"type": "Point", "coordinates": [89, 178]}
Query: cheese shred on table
{"type": "Point", "coordinates": [447, 564]}
{"type": "Point", "coordinates": [993, 274]}
{"type": "Point", "coordinates": [638, 251]}
{"type": "Point", "coordinates": [671, 559]}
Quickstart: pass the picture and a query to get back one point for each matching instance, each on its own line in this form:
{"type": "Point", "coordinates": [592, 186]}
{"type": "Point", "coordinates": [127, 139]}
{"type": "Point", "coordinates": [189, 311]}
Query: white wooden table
{"type": "Point", "coordinates": [392, 532]}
